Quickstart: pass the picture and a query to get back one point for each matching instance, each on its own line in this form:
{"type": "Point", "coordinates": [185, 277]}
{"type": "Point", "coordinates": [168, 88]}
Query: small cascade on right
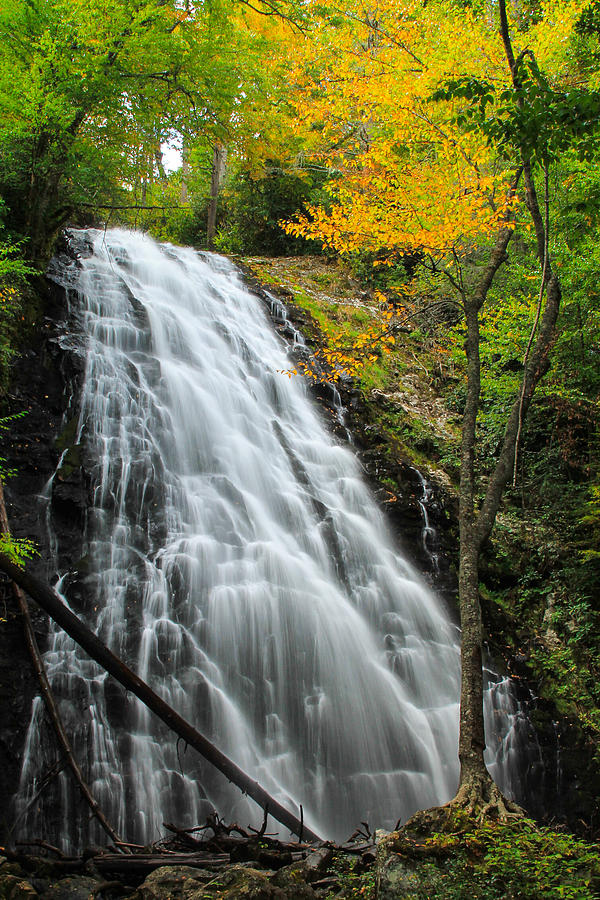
{"type": "Point", "coordinates": [428, 533]}
{"type": "Point", "coordinates": [514, 758]}
{"type": "Point", "coordinates": [513, 755]}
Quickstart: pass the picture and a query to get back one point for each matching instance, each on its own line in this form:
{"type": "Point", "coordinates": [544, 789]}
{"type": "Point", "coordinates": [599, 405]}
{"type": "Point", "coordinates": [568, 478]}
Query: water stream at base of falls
{"type": "Point", "coordinates": [237, 562]}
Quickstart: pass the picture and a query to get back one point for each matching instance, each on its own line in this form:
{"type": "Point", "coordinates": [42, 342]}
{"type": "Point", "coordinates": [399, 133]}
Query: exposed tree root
{"type": "Point", "coordinates": [477, 799]}
{"type": "Point", "coordinates": [481, 799]}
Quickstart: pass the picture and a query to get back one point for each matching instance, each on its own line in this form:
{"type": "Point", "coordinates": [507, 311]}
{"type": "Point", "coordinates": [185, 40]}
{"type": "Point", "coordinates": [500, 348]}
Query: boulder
{"type": "Point", "coordinates": [293, 881]}
{"type": "Point", "coordinates": [12, 887]}
{"type": "Point", "coordinates": [80, 887]}
{"type": "Point", "coordinates": [402, 874]}
{"type": "Point", "coordinates": [240, 883]}
{"type": "Point", "coordinates": [175, 883]}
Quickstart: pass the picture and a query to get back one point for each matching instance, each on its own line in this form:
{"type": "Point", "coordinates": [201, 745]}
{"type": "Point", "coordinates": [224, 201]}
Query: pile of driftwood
{"type": "Point", "coordinates": [212, 846]}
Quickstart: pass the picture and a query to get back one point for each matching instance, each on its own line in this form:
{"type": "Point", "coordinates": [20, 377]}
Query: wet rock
{"type": "Point", "coordinates": [239, 883]}
{"type": "Point", "coordinates": [41, 381]}
{"type": "Point", "coordinates": [12, 887]}
{"type": "Point", "coordinates": [316, 862]}
{"type": "Point", "coordinates": [274, 859]}
{"type": "Point", "coordinates": [10, 868]}
{"type": "Point", "coordinates": [399, 876]}
{"type": "Point", "coordinates": [81, 887]}
{"type": "Point", "coordinates": [293, 881]}
{"type": "Point", "coordinates": [175, 883]}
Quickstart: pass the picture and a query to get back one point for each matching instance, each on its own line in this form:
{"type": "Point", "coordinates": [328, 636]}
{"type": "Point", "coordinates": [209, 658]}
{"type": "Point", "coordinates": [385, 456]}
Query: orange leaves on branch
{"type": "Point", "coordinates": [405, 177]}
{"type": "Point", "coordinates": [343, 356]}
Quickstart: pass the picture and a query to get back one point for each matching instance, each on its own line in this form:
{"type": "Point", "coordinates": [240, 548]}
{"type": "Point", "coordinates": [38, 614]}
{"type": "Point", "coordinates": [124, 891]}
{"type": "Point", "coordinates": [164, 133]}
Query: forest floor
{"type": "Point", "coordinates": [462, 861]}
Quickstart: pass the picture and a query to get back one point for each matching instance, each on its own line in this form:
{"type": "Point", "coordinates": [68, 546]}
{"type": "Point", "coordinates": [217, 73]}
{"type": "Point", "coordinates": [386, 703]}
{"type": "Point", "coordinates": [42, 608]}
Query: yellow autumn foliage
{"type": "Point", "coordinates": [404, 174]}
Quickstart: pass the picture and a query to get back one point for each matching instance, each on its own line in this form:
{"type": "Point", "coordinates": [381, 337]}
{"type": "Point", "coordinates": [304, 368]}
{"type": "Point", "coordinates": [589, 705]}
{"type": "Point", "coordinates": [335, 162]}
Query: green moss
{"type": "Point", "coordinates": [351, 882]}
{"type": "Point", "coordinates": [68, 435]}
{"type": "Point", "coordinates": [71, 451]}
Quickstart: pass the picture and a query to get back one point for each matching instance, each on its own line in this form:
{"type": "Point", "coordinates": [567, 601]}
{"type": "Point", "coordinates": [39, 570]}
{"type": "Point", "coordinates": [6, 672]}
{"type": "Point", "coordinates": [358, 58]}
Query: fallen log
{"type": "Point", "coordinates": [50, 602]}
{"type": "Point", "coordinates": [52, 868]}
{"type": "Point", "coordinates": [142, 864]}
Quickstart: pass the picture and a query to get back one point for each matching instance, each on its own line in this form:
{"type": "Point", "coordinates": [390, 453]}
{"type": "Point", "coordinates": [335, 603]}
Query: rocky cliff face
{"type": "Point", "coordinates": [43, 386]}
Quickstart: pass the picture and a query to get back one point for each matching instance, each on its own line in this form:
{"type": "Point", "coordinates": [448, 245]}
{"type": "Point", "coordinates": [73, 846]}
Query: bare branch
{"type": "Point", "coordinates": [273, 10]}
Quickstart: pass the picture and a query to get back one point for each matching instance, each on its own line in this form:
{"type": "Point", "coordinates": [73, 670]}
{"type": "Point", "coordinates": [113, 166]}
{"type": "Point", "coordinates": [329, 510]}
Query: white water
{"type": "Point", "coordinates": [237, 562]}
{"type": "Point", "coordinates": [428, 535]}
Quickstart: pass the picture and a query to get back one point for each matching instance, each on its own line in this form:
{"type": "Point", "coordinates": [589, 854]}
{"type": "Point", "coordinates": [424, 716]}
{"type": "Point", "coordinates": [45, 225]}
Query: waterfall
{"type": "Point", "coordinates": [237, 562]}
{"type": "Point", "coordinates": [428, 534]}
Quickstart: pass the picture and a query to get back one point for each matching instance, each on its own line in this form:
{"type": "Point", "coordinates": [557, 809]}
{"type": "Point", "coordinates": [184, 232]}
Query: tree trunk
{"type": "Point", "coordinates": [472, 736]}
{"type": "Point", "coordinates": [476, 789]}
{"type": "Point", "coordinates": [185, 173]}
{"type": "Point", "coordinates": [215, 178]}
{"type": "Point", "coordinates": [160, 166]}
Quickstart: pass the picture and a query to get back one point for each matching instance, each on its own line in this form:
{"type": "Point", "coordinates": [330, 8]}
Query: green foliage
{"type": "Point", "coordinates": [589, 20]}
{"type": "Point", "coordinates": [352, 883]}
{"type": "Point", "coordinates": [533, 119]}
{"type": "Point", "coordinates": [13, 269]}
{"type": "Point", "coordinates": [88, 93]}
{"type": "Point", "coordinates": [496, 861]}
{"type": "Point", "coordinates": [591, 522]}
{"type": "Point", "coordinates": [18, 551]}
{"type": "Point", "coordinates": [5, 423]}
{"type": "Point", "coordinates": [14, 274]}
{"type": "Point", "coordinates": [255, 204]}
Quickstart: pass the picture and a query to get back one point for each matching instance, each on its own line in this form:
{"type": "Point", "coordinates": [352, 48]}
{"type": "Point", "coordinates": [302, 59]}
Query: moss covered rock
{"type": "Point", "coordinates": [175, 883]}
{"type": "Point", "coordinates": [13, 887]}
{"type": "Point", "coordinates": [241, 883]}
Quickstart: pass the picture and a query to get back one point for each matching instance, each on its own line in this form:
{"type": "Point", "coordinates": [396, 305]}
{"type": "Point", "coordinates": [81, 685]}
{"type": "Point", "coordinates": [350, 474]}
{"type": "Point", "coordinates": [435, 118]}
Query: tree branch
{"type": "Point", "coordinates": [537, 316]}
{"type": "Point", "coordinates": [376, 27]}
{"type": "Point", "coordinates": [133, 206]}
{"type": "Point", "coordinates": [272, 10]}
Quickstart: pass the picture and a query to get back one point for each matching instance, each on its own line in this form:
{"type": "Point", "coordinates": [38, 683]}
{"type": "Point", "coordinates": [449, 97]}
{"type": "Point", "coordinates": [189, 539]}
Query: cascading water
{"type": "Point", "coordinates": [512, 754]}
{"type": "Point", "coordinates": [428, 535]}
{"type": "Point", "coordinates": [235, 559]}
